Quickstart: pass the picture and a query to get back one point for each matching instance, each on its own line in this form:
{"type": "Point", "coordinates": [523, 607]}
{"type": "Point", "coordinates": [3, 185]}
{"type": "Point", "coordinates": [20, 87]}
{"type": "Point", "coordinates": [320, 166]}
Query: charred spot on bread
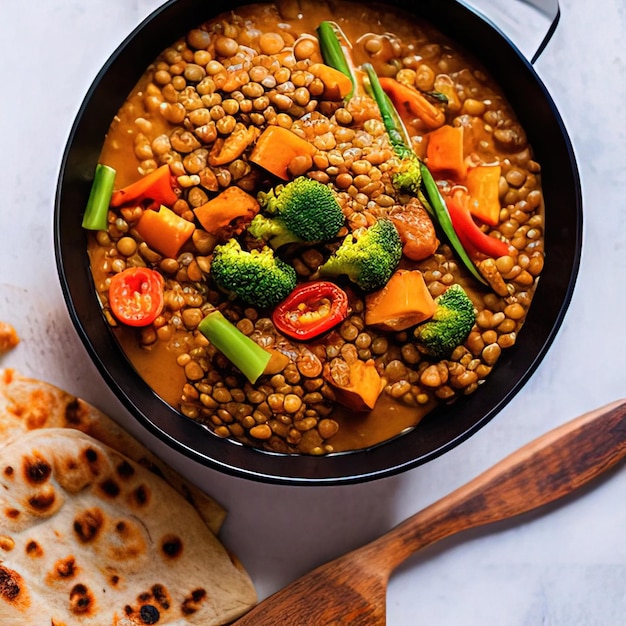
{"type": "Point", "coordinates": [171, 546]}
{"type": "Point", "coordinates": [149, 605]}
{"type": "Point", "coordinates": [92, 457]}
{"type": "Point", "coordinates": [66, 568]}
{"type": "Point", "coordinates": [81, 600]}
{"type": "Point", "coordinates": [88, 524]}
{"type": "Point", "coordinates": [141, 495]}
{"type": "Point", "coordinates": [161, 596]}
{"type": "Point", "coordinates": [12, 513]}
{"type": "Point", "coordinates": [9, 471]}
{"type": "Point", "coordinates": [192, 603]}
{"type": "Point", "coordinates": [43, 501]}
{"type": "Point", "coordinates": [125, 469]}
{"type": "Point", "coordinates": [36, 470]}
{"type": "Point", "coordinates": [10, 584]}
{"type": "Point", "coordinates": [109, 488]}
{"type": "Point", "coordinates": [6, 543]}
{"type": "Point", "coordinates": [149, 614]}
{"type": "Point", "coordinates": [34, 549]}
{"type": "Point", "coordinates": [74, 412]}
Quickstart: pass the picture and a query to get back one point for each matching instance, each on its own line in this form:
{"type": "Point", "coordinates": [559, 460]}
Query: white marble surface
{"type": "Point", "coordinates": [564, 567]}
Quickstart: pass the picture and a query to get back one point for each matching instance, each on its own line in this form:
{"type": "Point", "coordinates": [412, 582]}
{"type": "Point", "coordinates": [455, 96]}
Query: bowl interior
{"type": "Point", "coordinates": [440, 431]}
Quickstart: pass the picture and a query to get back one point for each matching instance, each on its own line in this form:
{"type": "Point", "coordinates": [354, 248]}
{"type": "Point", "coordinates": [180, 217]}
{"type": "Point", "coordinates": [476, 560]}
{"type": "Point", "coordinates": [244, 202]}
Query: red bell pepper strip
{"type": "Point", "coordinates": [311, 309]}
{"type": "Point", "coordinates": [156, 187]}
{"type": "Point", "coordinates": [471, 236]}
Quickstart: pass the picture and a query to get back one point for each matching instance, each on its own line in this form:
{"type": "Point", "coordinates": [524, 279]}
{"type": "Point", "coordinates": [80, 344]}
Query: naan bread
{"type": "Point", "coordinates": [27, 404]}
{"type": "Point", "coordinates": [89, 537]}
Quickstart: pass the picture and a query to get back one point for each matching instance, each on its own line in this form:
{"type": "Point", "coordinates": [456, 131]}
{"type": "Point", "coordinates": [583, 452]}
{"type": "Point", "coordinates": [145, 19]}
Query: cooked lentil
{"type": "Point", "coordinates": [192, 110]}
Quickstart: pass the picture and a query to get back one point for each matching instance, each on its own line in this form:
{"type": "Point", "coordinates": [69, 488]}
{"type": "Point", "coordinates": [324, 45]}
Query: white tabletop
{"type": "Point", "coordinates": [562, 567]}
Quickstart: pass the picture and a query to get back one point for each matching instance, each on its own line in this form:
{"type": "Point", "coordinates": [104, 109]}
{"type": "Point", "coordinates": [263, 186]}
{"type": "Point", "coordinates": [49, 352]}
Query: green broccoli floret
{"type": "Point", "coordinates": [256, 277]}
{"type": "Point", "coordinates": [368, 257]}
{"type": "Point", "coordinates": [450, 325]}
{"type": "Point", "coordinates": [303, 210]}
{"type": "Point", "coordinates": [408, 178]}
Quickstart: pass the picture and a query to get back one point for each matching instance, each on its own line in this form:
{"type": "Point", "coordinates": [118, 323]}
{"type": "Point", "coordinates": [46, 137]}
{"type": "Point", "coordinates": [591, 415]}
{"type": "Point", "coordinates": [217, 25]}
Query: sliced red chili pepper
{"type": "Point", "coordinates": [136, 296]}
{"type": "Point", "coordinates": [470, 233]}
{"type": "Point", "coordinates": [311, 309]}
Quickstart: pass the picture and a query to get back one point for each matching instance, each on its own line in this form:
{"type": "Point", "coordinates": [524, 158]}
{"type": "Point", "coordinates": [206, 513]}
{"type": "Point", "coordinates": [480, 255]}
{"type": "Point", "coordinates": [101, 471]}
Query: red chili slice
{"type": "Point", "coordinates": [311, 309]}
{"type": "Point", "coordinates": [469, 232]}
{"type": "Point", "coordinates": [136, 296]}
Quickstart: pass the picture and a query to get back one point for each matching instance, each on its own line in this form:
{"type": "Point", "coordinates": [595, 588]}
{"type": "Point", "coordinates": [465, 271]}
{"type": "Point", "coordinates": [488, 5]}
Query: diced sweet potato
{"type": "Point", "coordinates": [403, 302]}
{"type": "Point", "coordinates": [358, 391]}
{"type": "Point", "coordinates": [230, 205]}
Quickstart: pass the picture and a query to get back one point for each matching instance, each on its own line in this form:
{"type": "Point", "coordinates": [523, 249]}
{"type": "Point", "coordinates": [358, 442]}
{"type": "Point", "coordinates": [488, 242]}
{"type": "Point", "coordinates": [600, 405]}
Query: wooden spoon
{"type": "Point", "coordinates": [352, 589]}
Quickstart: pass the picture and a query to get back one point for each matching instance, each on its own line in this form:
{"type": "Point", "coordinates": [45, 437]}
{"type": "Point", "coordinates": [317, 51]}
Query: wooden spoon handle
{"type": "Point", "coordinates": [544, 470]}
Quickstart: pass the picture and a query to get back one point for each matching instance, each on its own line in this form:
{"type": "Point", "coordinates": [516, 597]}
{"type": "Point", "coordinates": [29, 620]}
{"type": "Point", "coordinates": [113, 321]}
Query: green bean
{"type": "Point", "coordinates": [437, 206]}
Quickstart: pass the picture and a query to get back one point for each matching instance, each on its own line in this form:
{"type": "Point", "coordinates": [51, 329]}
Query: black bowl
{"type": "Point", "coordinates": [440, 431]}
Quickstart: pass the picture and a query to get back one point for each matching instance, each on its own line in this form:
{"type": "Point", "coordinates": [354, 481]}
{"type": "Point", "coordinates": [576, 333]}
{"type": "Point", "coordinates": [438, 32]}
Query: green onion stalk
{"type": "Point", "coordinates": [97, 209]}
{"type": "Point", "coordinates": [336, 54]}
{"type": "Point", "coordinates": [242, 351]}
{"type": "Point", "coordinates": [413, 177]}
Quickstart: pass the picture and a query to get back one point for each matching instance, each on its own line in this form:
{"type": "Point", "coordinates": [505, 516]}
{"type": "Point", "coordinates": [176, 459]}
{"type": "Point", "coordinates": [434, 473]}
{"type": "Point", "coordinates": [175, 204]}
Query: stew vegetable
{"type": "Point", "coordinates": [311, 309]}
{"type": "Point", "coordinates": [136, 296]}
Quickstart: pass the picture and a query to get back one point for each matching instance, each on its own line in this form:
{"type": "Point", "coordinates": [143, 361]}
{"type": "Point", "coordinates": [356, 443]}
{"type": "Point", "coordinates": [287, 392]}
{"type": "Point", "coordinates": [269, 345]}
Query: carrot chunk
{"type": "Point", "coordinates": [277, 147]}
{"type": "Point", "coordinates": [164, 231]}
{"type": "Point", "coordinates": [483, 185]}
{"type": "Point", "coordinates": [444, 152]}
{"type": "Point", "coordinates": [336, 84]}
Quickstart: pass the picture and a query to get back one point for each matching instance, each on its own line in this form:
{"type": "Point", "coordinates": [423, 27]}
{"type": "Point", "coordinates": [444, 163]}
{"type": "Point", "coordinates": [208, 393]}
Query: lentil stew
{"type": "Point", "coordinates": [200, 110]}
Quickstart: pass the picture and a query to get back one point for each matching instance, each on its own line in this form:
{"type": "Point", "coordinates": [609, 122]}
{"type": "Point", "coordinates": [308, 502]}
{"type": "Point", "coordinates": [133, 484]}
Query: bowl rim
{"type": "Point", "coordinates": [464, 418]}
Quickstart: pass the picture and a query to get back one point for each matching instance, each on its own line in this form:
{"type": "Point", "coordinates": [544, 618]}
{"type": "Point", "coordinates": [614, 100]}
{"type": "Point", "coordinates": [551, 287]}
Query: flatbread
{"type": "Point", "coordinates": [27, 404]}
{"type": "Point", "coordinates": [90, 537]}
